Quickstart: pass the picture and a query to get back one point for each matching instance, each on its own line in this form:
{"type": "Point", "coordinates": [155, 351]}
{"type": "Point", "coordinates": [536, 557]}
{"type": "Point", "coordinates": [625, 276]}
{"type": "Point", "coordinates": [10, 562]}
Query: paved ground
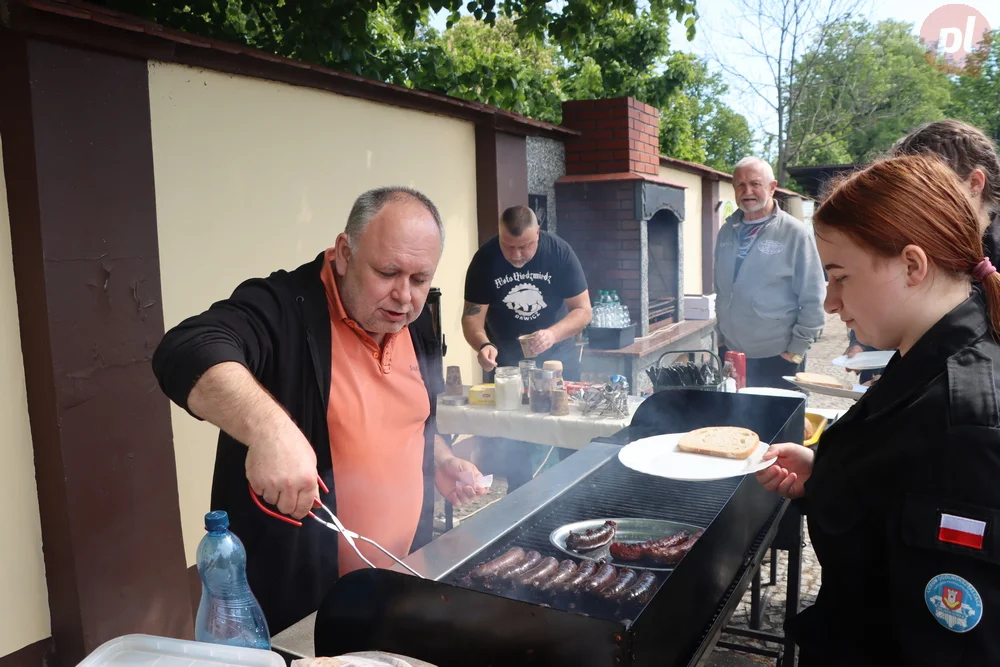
{"type": "Point", "coordinates": [832, 344]}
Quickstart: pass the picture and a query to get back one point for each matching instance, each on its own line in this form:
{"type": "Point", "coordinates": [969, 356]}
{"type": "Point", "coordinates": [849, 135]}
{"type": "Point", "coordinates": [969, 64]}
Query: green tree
{"type": "Point", "coordinates": [697, 125]}
{"type": "Point", "coordinates": [867, 86]}
{"type": "Point", "coordinates": [976, 93]}
{"type": "Point", "coordinates": [368, 37]}
{"type": "Point", "coordinates": [492, 64]}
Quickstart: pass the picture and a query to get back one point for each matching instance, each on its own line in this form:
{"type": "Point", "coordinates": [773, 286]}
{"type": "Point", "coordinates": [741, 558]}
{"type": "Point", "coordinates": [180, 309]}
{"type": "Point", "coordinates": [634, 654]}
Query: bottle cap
{"type": "Point", "coordinates": [217, 520]}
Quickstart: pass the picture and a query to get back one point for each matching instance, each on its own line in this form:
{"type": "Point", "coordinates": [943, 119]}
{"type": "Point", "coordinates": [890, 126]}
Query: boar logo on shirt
{"type": "Point", "coordinates": [525, 300]}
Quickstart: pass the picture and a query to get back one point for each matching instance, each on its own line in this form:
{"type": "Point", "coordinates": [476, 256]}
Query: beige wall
{"type": "Point", "coordinates": [24, 607]}
{"type": "Point", "coordinates": [253, 176]}
{"type": "Point", "coordinates": [691, 225]}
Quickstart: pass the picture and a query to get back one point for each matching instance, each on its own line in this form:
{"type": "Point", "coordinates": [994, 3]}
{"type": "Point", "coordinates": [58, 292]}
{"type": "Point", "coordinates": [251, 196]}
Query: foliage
{"type": "Point", "coordinates": [976, 94]}
{"type": "Point", "coordinates": [868, 86]}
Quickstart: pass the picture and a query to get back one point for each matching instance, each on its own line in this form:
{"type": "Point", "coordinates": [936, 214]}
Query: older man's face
{"type": "Point", "coordinates": [754, 190]}
{"type": "Point", "coordinates": [385, 280]}
{"type": "Point", "coordinates": [519, 250]}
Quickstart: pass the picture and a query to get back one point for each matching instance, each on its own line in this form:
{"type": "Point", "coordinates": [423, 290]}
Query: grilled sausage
{"type": "Point", "coordinates": [673, 555]}
{"type": "Point", "coordinates": [593, 538]}
{"type": "Point", "coordinates": [530, 560]}
{"type": "Point", "coordinates": [539, 573]}
{"type": "Point", "coordinates": [638, 550]}
{"type": "Point", "coordinates": [641, 591]}
{"type": "Point", "coordinates": [566, 569]}
{"type": "Point", "coordinates": [614, 590]}
{"type": "Point", "coordinates": [497, 565]}
{"type": "Point", "coordinates": [605, 575]}
{"type": "Point", "coordinates": [575, 580]}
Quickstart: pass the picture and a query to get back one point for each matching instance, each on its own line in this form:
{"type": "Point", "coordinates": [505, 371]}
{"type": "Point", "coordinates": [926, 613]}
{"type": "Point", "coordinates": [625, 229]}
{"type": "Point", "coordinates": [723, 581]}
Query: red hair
{"type": "Point", "coordinates": [912, 200]}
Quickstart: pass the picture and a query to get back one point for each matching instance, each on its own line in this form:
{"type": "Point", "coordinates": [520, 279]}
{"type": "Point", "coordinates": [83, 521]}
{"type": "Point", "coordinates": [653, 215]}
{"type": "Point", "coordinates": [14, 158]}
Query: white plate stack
{"type": "Point", "coordinates": [699, 307]}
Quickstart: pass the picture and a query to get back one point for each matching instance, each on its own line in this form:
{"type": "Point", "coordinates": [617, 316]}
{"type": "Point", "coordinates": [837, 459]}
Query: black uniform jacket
{"type": "Point", "coordinates": [922, 443]}
{"type": "Point", "coordinates": [279, 328]}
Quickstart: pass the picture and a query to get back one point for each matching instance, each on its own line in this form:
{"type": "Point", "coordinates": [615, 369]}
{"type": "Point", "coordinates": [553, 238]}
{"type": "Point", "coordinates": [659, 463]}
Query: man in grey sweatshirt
{"type": "Point", "coordinates": [769, 281]}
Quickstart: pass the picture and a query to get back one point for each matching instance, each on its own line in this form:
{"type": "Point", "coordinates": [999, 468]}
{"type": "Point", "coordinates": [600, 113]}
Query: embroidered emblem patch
{"type": "Point", "coordinates": [770, 247]}
{"type": "Point", "coordinates": [954, 602]}
{"type": "Point", "coordinates": [962, 531]}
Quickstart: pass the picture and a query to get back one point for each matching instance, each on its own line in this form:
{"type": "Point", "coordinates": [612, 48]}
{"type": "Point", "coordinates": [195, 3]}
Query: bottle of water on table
{"type": "Point", "coordinates": [229, 613]}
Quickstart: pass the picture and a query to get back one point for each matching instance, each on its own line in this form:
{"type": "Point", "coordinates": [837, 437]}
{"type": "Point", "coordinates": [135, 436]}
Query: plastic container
{"type": "Point", "coordinates": [508, 388]}
{"type": "Point", "coordinates": [229, 613]}
{"type": "Point", "coordinates": [610, 339]}
{"type": "Point", "coordinates": [148, 650]}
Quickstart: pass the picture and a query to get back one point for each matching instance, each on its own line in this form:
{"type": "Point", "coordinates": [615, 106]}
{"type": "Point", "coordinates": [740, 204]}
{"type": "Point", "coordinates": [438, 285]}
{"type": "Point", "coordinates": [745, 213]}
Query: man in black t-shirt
{"type": "Point", "coordinates": [525, 281]}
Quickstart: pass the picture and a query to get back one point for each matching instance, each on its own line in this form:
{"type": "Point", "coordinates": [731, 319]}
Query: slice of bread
{"type": "Point", "coordinates": [821, 379]}
{"type": "Point", "coordinates": [728, 442]}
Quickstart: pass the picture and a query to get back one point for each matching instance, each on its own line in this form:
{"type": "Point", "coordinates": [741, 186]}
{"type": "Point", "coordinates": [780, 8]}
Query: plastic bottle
{"type": "Point", "coordinates": [616, 309]}
{"type": "Point", "coordinates": [229, 613]}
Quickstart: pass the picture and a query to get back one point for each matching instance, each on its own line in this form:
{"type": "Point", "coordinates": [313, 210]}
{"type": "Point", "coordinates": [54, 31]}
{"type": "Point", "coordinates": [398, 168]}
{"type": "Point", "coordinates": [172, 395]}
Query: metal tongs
{"type": "Point", "coordinates": [333, 524]}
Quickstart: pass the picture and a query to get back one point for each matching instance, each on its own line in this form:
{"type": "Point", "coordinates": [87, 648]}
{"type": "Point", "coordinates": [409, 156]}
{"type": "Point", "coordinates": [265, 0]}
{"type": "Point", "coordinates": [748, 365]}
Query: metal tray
{"type": "Point", "coordinates": [628, 530]}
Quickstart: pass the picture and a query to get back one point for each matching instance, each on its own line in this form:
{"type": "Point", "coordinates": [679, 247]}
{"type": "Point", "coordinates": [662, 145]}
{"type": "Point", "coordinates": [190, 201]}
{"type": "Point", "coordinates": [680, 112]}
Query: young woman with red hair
{"type": "Point", "coordinates": [903, 492]}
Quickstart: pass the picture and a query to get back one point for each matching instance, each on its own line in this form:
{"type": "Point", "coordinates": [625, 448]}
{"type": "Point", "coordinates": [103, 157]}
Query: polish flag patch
{"type": "Point", "coordinates": [961, 531]}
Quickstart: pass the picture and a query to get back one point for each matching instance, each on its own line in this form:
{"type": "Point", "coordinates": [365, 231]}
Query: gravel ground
{"type": "Point", "coordinates": [831, 345]}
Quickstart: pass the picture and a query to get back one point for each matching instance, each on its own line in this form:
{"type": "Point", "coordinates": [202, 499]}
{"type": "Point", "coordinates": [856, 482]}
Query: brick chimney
{"type": "Point", "coordinates": [620, 135]}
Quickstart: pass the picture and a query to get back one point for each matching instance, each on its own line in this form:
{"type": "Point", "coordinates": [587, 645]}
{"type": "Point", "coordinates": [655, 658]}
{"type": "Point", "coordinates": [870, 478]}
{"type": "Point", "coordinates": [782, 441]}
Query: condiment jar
{"type": "Point", "coordinates": [542, 384]}
{"type": "Point", "coordinates": [560, 402]}
{"type": "Point", "coordinates": [556, 367]}
{"type": "Point", "coordinates": [509, 388]}
{"type": "Point", "coordinates": [526, 366]}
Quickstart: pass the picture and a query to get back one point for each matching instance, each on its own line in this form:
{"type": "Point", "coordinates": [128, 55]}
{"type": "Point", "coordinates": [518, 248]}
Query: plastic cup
{"type": "Point", "coordinates": [525, 342]}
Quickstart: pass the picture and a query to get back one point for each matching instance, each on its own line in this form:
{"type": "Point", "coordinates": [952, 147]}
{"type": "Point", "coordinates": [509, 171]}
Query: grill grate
{"type": "Point", "coordinates": [612, 491]}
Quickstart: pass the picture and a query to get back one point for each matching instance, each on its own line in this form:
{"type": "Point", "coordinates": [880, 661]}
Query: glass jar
{"type": "Point", "coordinates": [526, 366]}
{"type": "Point", "coordinates": [542, 384]}
{"type": "Point", "coordinates": [508, 387]}
{"type": "Point", "coordinates": [557, 368]}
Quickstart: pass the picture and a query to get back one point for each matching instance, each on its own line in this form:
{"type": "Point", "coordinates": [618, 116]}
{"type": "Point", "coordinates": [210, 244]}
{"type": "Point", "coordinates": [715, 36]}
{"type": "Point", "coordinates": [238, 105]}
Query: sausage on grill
{"type": "Point", "coordinates": [539, 573]}
{"type": "Point", "coordinates": [566, 569]}
{"type": "Point", "coordinates": [530, 560]}
{"type": "Point", "coordinates": [497, 565]}
{"type": "Point", "coordinates": [639, 550]}
{"type": "Point", "coordinates": [593, 538]}
{"type": "Point", "coordinates": [605, 575]}
{"type": "Point", "coordinates": [575, 580]}
{"type": "Point", "coordinates": [615, 589]}
{"type": "Point", "coordinates": [641, 591]}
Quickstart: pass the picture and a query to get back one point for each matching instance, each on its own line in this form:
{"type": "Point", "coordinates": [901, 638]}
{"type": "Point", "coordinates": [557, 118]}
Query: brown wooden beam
{"type": "Point", "coordinates": [501, 177]}
{"type": "Point", "coordinates": [79, 167]}
{"type": "Point", "coordinates": [709, 232]}
{"type": "Point", "coordinates": [32, 655]}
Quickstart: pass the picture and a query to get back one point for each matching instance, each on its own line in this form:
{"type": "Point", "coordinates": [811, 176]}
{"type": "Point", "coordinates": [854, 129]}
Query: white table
{"type": "Point", "coordinates": [573, 431]}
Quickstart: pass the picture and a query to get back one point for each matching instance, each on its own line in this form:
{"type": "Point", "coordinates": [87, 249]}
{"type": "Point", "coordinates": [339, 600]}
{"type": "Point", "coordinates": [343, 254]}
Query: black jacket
{"type": "Point", "coordinates": [924, 441]}
{"type": "Point", "coordinates": [279, 328]}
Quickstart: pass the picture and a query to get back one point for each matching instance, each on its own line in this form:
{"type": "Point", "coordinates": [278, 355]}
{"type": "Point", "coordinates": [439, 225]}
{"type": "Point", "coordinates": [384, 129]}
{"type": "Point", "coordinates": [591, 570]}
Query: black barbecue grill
{"type": "Point", "coordinates": [446, 620]}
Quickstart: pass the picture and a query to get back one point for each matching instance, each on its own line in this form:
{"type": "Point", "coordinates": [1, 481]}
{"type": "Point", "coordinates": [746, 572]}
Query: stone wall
{"type": "Point", "coordinates": [546, 165]}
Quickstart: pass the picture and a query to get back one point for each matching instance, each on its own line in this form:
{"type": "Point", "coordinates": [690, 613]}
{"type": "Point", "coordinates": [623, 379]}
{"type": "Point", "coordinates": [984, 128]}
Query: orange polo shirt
{"type": "Point", "coordinates": [378, 406]}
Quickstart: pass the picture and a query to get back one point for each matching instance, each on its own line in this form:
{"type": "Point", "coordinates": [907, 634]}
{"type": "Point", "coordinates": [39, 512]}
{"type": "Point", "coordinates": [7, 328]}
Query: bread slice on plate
{"type": "Point", "coordinates": [729, 442]}
{"type": "Point", "coordinates": [821, 380]}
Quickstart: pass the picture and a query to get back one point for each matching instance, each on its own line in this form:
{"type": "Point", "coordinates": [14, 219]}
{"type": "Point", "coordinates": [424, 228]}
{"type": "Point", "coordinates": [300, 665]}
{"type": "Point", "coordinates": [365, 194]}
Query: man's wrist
{"type": "Point", "coordinates": [487, 344]}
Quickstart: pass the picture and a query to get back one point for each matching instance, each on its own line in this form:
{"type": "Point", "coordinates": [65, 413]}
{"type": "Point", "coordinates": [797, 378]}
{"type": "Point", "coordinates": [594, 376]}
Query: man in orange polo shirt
{"type": "Point", "coordinates": [334, 369]}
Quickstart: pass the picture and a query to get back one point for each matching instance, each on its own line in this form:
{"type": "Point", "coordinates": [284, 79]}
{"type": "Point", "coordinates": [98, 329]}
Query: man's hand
{"type": "Point", "coordinates": [282, 471]}
{"type": "Point", "coordinates": [542, 340]}
{"type": "Point", "coordinates": [792, 358]}
{"type": "Point", "coordinates": [487, 358]}
{"type": "Point", "coordinates": [448, 472]}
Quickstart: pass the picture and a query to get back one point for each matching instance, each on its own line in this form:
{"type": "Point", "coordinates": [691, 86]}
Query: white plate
{"type": "Point", "coordinates": [856, 392]}
{"type": "Point", "coordinates": [658, 456]}
{"type": "Point", "coordinates": [772, 391]}
{"type": "Point", "coordinates": [865, 361]}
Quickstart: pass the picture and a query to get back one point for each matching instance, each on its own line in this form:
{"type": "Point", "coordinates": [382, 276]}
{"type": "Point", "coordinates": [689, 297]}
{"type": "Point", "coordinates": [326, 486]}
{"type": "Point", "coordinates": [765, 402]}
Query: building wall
{"type": "Point", "coordinates": [253, 176]}
{"type": "Point", "coordinates": [546, 164]}
{"type": "Point", "coordinates": [24, 609]}
{"type": "Point", "coordinates": [691, 225]}
{"type": "Point", "coordinates": [726, 194]}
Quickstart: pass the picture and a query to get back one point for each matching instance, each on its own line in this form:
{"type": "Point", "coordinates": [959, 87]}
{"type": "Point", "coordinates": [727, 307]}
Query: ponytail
{"type": "Point", "coordinates": [990, 280]}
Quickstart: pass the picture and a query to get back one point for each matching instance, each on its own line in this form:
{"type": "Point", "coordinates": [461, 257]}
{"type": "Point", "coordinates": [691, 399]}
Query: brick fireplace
{"type": "Point", "coordinates": [622, 219]}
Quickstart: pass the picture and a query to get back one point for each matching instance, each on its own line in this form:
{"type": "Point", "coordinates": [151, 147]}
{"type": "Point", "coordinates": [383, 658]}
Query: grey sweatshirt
{"type": "Point", "coordinates": [775, 305]}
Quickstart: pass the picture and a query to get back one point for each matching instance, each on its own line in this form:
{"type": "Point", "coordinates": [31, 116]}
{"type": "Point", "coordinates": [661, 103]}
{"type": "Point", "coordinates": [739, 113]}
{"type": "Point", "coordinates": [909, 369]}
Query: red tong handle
{"type": "Point", "coordinates": [278, 515]}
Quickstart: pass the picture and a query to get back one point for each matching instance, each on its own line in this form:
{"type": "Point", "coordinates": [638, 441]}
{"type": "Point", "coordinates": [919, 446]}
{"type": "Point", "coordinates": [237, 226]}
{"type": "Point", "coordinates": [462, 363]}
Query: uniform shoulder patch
{"type": "Point", "coordinates": [953, 602]}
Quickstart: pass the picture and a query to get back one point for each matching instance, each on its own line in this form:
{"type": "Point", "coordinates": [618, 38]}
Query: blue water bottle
{"type": "Point", "coordinates": [229, 613]}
